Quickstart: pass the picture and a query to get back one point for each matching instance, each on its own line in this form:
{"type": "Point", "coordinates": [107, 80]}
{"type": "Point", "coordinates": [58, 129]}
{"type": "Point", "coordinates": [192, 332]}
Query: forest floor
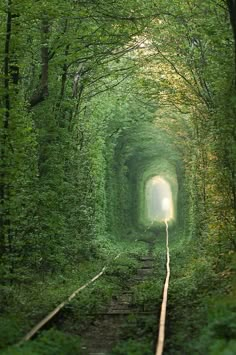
{"type": "Point", "coordinates": [118, 314]}
{"type": "Point", "coordinates": [124, 288]}
{"type": "Point", "coordinates": [109, 328]}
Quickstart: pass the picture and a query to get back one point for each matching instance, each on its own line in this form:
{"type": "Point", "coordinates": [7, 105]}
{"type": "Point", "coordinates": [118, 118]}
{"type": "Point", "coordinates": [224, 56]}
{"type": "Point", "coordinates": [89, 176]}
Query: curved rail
{"type": "Point", "coordinates": [46, 319]}
{"type": "Point", "coordinates": [161, 335]}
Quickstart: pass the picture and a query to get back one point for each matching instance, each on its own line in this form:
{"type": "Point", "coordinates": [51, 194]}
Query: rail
{"type": "Point", "coordinates": [50, 315]}
{"type": "Point", "coordinates": [161, 335]}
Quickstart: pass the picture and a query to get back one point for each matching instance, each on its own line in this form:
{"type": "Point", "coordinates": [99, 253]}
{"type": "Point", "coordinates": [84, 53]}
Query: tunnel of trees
{"type": "Point", "coordinates": [96, 99]}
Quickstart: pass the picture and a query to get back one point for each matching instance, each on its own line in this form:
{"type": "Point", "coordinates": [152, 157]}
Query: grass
{"type": "Point", "coordinates": [140, 331]}
{"type": "Point", "coordinates": [201, 307]}
{"type": "Point", "coordinates": [29, 303]}
{"type": "Point", "coordinates": [201, 303]}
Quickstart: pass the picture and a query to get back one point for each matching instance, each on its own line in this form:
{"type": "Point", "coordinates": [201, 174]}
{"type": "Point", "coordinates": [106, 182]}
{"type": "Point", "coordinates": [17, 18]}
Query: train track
{"type": "Point", "coordinates": [100, 337]}
{"type": "Point", "coordinates": [161, 334]}
{"type": "Point", "coordinates": [108, 329]}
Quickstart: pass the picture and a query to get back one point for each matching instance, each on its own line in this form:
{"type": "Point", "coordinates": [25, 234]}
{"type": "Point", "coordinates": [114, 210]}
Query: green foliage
{"type": "Point", "coordinates": [202, 319]}
{"type": "Point", "coordinates": [39, 298]}
{"type": "Point", "coordinates": [132, 347]}
{"type": "Point", "coordinates": [9, 330]}
{"type": "Point", "coordinates": [96, 98]}
{"type": "Point", "coordinates": [137, 336]}
{"type": "Point", "coordinates": [148, 293]}
{"type": "Point", "coordinates": [49, 342]}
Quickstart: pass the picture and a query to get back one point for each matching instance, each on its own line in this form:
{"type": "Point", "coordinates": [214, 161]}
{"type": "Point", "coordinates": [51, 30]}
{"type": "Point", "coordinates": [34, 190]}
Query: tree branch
{"type": "Point", "coordinates": [42, 91]}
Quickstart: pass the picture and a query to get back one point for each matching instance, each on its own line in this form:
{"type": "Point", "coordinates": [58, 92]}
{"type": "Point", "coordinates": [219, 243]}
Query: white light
{"type": "Point", "coordinates": [159, 200]}
{"type": "Point", "coordinates": [165, 204]}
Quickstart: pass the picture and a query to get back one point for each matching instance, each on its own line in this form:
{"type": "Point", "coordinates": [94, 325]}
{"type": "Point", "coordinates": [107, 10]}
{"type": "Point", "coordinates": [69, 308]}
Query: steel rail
{"type": "Point", "coordinates": [161, 335]}
{"type": "Point", "coordinates": [56, 310]}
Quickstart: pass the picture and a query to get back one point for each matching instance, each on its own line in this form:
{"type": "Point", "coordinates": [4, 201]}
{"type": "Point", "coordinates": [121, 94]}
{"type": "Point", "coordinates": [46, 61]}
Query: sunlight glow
{"type": "Point", "coordinates": [165, 204]}
{"type": "Point", "coordinates": [159, 201]}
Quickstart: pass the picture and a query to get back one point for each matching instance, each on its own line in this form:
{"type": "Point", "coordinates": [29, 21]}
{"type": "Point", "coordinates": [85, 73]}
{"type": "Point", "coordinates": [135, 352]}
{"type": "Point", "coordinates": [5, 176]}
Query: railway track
{"type": "Point", "coordinates": [161, 334]}
{"type": "Point", "coordinates": [109, 328]}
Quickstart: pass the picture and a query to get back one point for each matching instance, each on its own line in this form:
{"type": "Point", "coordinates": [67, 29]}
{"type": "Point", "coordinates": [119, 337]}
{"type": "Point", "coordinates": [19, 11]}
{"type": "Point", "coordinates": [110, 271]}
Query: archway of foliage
{"type": "Point", "coordinates": [95, 98]}
{"type": "Point", "coordinates": [141, 154]}
{"type": "Point", "coordinates": [76, 77]}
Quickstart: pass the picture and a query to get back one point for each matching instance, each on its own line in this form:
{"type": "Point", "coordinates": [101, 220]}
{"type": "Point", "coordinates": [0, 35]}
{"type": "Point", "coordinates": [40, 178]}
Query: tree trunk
{"type": "Point", "coordinates": [4, 137]}
{"type": "Point", "coordinates": [42, 90]}
{"type": "Point", "coordinates": [232, 14]}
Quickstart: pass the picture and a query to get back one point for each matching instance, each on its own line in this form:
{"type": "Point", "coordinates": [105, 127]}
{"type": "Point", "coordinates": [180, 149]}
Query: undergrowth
{"type": "Point", "coordinates": [28, 304]}
{"type": "Point", "coordinates": [139, 333]}
{"type": "Point", "coordinates": [201, 306]}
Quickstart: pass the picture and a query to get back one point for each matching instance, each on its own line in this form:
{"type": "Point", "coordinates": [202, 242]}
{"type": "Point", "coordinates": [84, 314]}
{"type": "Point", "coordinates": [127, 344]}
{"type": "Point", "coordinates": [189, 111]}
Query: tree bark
{"type": "Point", "coordinates": [6, 118]}
{"type": "Point", "coordinates": [232, 15]}
{"type": "Point", "coordinates": [42, 91]}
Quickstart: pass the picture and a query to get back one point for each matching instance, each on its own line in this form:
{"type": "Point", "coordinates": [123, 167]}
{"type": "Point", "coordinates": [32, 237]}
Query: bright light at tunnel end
{"type": "Point", "coordinates": [159, 201]}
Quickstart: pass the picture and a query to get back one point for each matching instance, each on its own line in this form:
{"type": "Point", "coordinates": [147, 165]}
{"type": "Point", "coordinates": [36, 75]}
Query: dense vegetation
{"type": "Point", "coordinates": [96, 97]}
